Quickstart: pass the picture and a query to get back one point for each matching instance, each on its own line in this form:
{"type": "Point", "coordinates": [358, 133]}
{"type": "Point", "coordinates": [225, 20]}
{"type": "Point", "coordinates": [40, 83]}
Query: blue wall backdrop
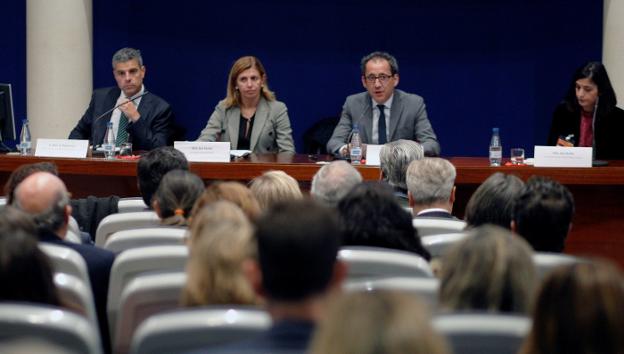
{"type": "Point", "coordinates": [478, 64]}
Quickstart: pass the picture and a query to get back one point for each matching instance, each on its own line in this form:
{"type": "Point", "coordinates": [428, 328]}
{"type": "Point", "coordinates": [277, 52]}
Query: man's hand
{"type": "Point", "coordinates": [130, 111]}
{"type": "Point", "coordinates": [345, 151]}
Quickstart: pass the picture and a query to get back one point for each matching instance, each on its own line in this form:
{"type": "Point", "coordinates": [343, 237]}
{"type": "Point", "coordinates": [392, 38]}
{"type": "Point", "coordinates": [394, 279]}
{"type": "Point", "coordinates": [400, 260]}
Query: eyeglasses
{"type": "Point", "coordinates": [383, 78]}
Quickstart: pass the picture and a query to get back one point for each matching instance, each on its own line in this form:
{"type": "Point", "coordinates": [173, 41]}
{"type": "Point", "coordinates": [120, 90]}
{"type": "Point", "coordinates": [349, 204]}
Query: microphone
{"type": "Point", "coordinates": [131, 99]}
{"type": "Point", "coordinates": [341, 152]}
{"type": "Point", "coordinates": [596, 163]}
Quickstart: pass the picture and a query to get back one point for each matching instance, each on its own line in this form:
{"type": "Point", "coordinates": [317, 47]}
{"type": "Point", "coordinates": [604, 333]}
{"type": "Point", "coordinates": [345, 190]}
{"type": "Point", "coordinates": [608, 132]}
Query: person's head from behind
{"type": "Point", "coordinates": [493, 201]}
{"type": "Point", "coordinates": [274, 187]}
{"type": "Point", "coordinates": [45, 197]}
{"type": "Point", "coordinates": [154, 165]}
{"type": "Point", "coordinates": [23, 171]}
{"type": "Point", "coordinates": [380, 75]}
{"type": "Point", "coordinates": [542, 214]}
{"type": "Point", "coordinates": [215, 267]}
{"type": "Point", "coordinates": [491, 270]}
{"type": "Point", "coordinates": [579, 310]}
{"type": "Point", "coordinates": [297, 242]}
{"type": "Point", "coordinates": [394, 158]}
{"type": "Point", "coordinates": [371, 216]}
{"type": "Point", "coordinates": [431, 184]}
{"type": "Point", "coordinates": [591, 87]}
{"type": "Point", "coordinates": [234, 192]}
{"type": "Point", "coordinates": [128, 70]}
{"type": "Point", "coordinates": [377, 322]}
{"type": "Point", "coordinates": [333, 181]}
{"type": "Point", "coordinates": [247, 81]}
{"type": "Point", "coordinates": [176, 195]}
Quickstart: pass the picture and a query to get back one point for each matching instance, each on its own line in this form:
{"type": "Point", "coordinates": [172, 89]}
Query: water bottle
{"type": "Point", "coordinates": [356, 146]}
{"type": "Point", "coordinates": [25, 140]}
{"type": "Point", "coordinates": [496, 149]}
{"type": "Point", "coordinates": [109, 142]}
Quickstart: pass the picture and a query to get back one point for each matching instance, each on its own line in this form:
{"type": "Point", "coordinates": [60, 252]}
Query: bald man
{"type": "Point", "coordinates": [45, 197]}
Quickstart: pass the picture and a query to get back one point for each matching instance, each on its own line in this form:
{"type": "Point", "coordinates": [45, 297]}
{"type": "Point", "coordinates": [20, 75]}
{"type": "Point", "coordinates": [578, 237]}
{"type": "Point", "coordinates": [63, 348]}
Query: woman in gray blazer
{"type": "Point", "coordinates": [249, 117]}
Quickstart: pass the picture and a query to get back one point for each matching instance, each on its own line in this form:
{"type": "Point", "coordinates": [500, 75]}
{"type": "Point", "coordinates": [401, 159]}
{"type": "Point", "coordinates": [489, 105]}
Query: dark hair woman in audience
{"type": "Point", "coordinates": [176, 195]}
{"type": "Point", "coordinates": [371, 216]}
{"type": "Point", "coordinates": [249, 117]}
{"type": "Point", "coordinates": [493, 201]}
{"type": "Point", "coordinates": [579, 310]}
{"type": "Point", "coordinates": [588, 114]}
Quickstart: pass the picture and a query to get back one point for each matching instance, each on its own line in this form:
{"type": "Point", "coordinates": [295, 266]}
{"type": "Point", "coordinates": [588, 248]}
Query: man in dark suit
{"type": "Point", "coordinates": [383, 113]}
{"type": "Point", "coordinates": [146, 121]}
{"type": "Point", "coordinates": [45, 197]}
{"type": "Point", "coordinates": [431, 187]}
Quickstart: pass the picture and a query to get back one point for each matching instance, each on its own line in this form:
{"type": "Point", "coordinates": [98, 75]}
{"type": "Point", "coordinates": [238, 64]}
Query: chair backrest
{"type": "Point", "coordinates": [75, 292]}
{"type": "Point", "coordinates": [131, 205]}
{"type": "Point", "coordinates": [128, 239]}
{"type": "Point", "coordinates": [483, 333]}
{"type": "Point", "coordinates": [66, 260]}
{"type": "Point", "coordinates": [191, 329]}
{"type": "Point", "coordinates": [141, 261]}
{"type": "Point", "coordinates": [124, 221]}
{"type": "Point", "coordinates": [435, 226]}
{"type": "Point", "coordinates": [143, 297]}
{"type": "Point", "coordinates": [438, 245]}
{"type": "Point", "coordinates": [53, 324]}
{"type": "Point", "coordinates": [546, 262]}
{"type": "Point", "coordinates": [425, 288]}
{"type": "Point", "coordinates": [367, 263]}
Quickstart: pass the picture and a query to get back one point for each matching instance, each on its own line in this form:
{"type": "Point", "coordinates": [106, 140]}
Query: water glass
{"type": "Point", "coordinates": [125, 149]}
{"type": "Point", "coordinates": [517, 156]}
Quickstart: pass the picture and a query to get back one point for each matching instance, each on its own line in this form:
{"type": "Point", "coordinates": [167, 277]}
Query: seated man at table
{"type": "Point", "coordinates": [431, 187]}
{"type": "Point", "coordinates": [394, 158]}
{"type": "Point", "coordinates": [142, 118]}
{"type": "Point", "coordinates": [383, 113]}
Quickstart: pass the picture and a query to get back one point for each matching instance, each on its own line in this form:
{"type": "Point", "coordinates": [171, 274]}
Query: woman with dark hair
{"type": "Point", "coordinates": [175, 197]}
{"type": "Point", "coordinates": [371, 216]}
{"type": "Point", "coordinates": [588, 115]}
{"type": "Point", "coordinates": [493, 201]}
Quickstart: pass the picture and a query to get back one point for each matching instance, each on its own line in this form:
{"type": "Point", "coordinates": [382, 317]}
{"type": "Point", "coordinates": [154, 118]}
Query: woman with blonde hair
{"type": "Point", "coordinates": [274, 187]}
{"type": "Point", "coordinates": [377, 322]}
{"type": "Point", "coordinates": [221, 241]}
{"type": "Point", "coordinates": [234, 192]}
{"type": "Point", "coordinates": [176, 194]}
{"type": "Point", "coordinates": [249, 117]}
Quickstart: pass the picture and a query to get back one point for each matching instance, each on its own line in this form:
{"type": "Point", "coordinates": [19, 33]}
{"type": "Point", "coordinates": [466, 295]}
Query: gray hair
{"type": "Point", "coordinates": [125, 54]}
{"type": "Point", "coordinates": [394, 158]}
{"type": "Point", "coordinates": [430, 180]}
{"type": "Point", "coordinates": [394, 66]}
{"type": "Point", "coordinates": [53, 217]}
{"type": "Point", "coordinates": [333, 181]}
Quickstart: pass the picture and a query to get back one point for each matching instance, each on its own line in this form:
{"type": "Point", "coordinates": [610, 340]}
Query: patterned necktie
{"type": "Point", "coordinates": [381, 125]}
{"type": "Point", "coordinates": [122, 132]}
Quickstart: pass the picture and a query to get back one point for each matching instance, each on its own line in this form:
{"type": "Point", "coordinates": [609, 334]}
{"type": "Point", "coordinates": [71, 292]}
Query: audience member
{"type": "Point", "coordinates": [371, 216]}
{"type": "Point", "coordinates": [175, 197]}
{"type": "Point", "coordinates": [492, 270]}
{"type": "Point", "coordinates": [377, 322]}
{"type": "Point", "coordinates": [234, 192]}
{"type": "Point", "coordinates": [394, 158]}
{"type": "Point", "coordinates": [578, 311]}
{"type": "Point", "coordinates": [492, 202]}
{"type": "Point", "coordinates": [153, 166]}
{"type": "Point", "coordinates": [333, 181]}
{"type": "Point", "coordinates": [431, 187]}
{"type": "Point", "coordinates": [23, 171]}
{"type": "Point", "coordinates": [215, 268]}
{"type": "Point", "coordinates": [274, 187]}
{"type": "Point", "coordinates": [543, 213]}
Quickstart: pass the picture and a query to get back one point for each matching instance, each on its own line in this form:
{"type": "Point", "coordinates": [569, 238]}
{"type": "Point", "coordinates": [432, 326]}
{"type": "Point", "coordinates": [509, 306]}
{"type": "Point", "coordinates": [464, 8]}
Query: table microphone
{"type": "Point", "coordinates": [131, 99]}
{"type": "Point", "coordinates": [596, 163]}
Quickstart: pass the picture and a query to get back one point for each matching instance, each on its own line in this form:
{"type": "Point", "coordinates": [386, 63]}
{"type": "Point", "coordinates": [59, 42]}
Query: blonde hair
{"type": "Point", "coordinates": [240, 65]}
{"type": "Point", "coordinates": [234, 192]}
{"type": "Point", "coordinates": [274, 187]}
{"type": "Point", "coordinates": [214, 270]}
{"type": "Point", "coordinates": [377, 322]}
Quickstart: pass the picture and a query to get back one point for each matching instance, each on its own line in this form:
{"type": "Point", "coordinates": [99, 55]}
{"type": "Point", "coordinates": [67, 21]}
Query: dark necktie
{"type": "Point", "coordinates": [381, 125]}
{"type": "Point", "coordinates": [122, 133]}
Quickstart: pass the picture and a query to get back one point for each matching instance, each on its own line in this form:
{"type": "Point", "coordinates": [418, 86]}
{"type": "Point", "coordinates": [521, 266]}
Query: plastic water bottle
{"type": "Point", "coordinates": [25, 139]}
{"type": "Point", "coordinates": [356, 146]}
{"type": "Point", "coordinates": [109, 142]}
{"type": "Point", "coordinates": [496, 149]}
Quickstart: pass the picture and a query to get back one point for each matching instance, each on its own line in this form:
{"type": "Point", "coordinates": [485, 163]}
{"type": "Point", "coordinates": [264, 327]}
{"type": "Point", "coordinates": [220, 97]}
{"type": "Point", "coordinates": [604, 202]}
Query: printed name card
{"type": "Point", "coordinates": [372, 155]}
{"type": "Point", "coordinates": [201, 151]}
{"type": "Point", "coordinates": [559, 156]}
{"type": "Point", "coordinates": [62, 148]}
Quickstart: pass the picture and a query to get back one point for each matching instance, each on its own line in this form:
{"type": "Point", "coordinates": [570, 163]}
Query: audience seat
{"type": "Point", "coordinates": [128, 239]}
{"type": "Point", "coordinates": [438, 245]}
{"type": "Point", "coordinates": [68, 261]}
{"type": "Point", "coordinates": [425, 288]}
{"type": "Point", "coordinates": [369, 263]}
{"type": "Point", "coordinates": [76, 293]}
{"type": "Point", "coordinates": [483, 333]}
{"type": "Point", "coordinates": [124, 221]}
{"type": "Point", "coordinates": [58, 326]}
{"type": "Point", "coordinates": [190, 329]}
{"type": "Point", "coordinates": [131, 205]}
{"type": "Point", "coordinates": [546, 262]}
{"type": "Point", "coordinates": [435, 226]}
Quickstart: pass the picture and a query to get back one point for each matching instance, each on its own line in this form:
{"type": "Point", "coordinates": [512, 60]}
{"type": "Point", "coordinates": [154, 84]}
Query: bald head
{"type": "Point", "coordinates": [45, 196]}
{"type": "Point", "coordinates": [334, 181]}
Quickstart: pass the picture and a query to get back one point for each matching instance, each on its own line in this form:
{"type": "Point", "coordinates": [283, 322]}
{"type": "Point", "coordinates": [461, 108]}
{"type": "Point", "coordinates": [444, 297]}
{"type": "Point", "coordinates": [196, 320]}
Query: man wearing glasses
{"type": "Point", "coordinates": [383, 113]}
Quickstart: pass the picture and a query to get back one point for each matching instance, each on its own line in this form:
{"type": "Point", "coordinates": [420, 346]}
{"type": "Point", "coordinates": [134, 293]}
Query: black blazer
{"type": "Point", "coordinates": [152, 130]}
{"type": "Point", "coordinates": [607, 130]}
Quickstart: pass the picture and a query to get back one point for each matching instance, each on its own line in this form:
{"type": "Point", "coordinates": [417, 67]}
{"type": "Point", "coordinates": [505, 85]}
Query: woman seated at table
{"type": "Point", "coordinates": [249, 117]}
{"type": "Point", "coordinates": [588, 115]}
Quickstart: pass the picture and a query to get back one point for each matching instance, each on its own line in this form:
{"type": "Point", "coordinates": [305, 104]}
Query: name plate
{"type": "Point", "coordinates": [202, 151]}
{"type": "Point", "coordinates": [372, 155]}
{"type": "Point", "coordinates": [558, 156]}
{"type": "Point", "coordinates": [62, 148]}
